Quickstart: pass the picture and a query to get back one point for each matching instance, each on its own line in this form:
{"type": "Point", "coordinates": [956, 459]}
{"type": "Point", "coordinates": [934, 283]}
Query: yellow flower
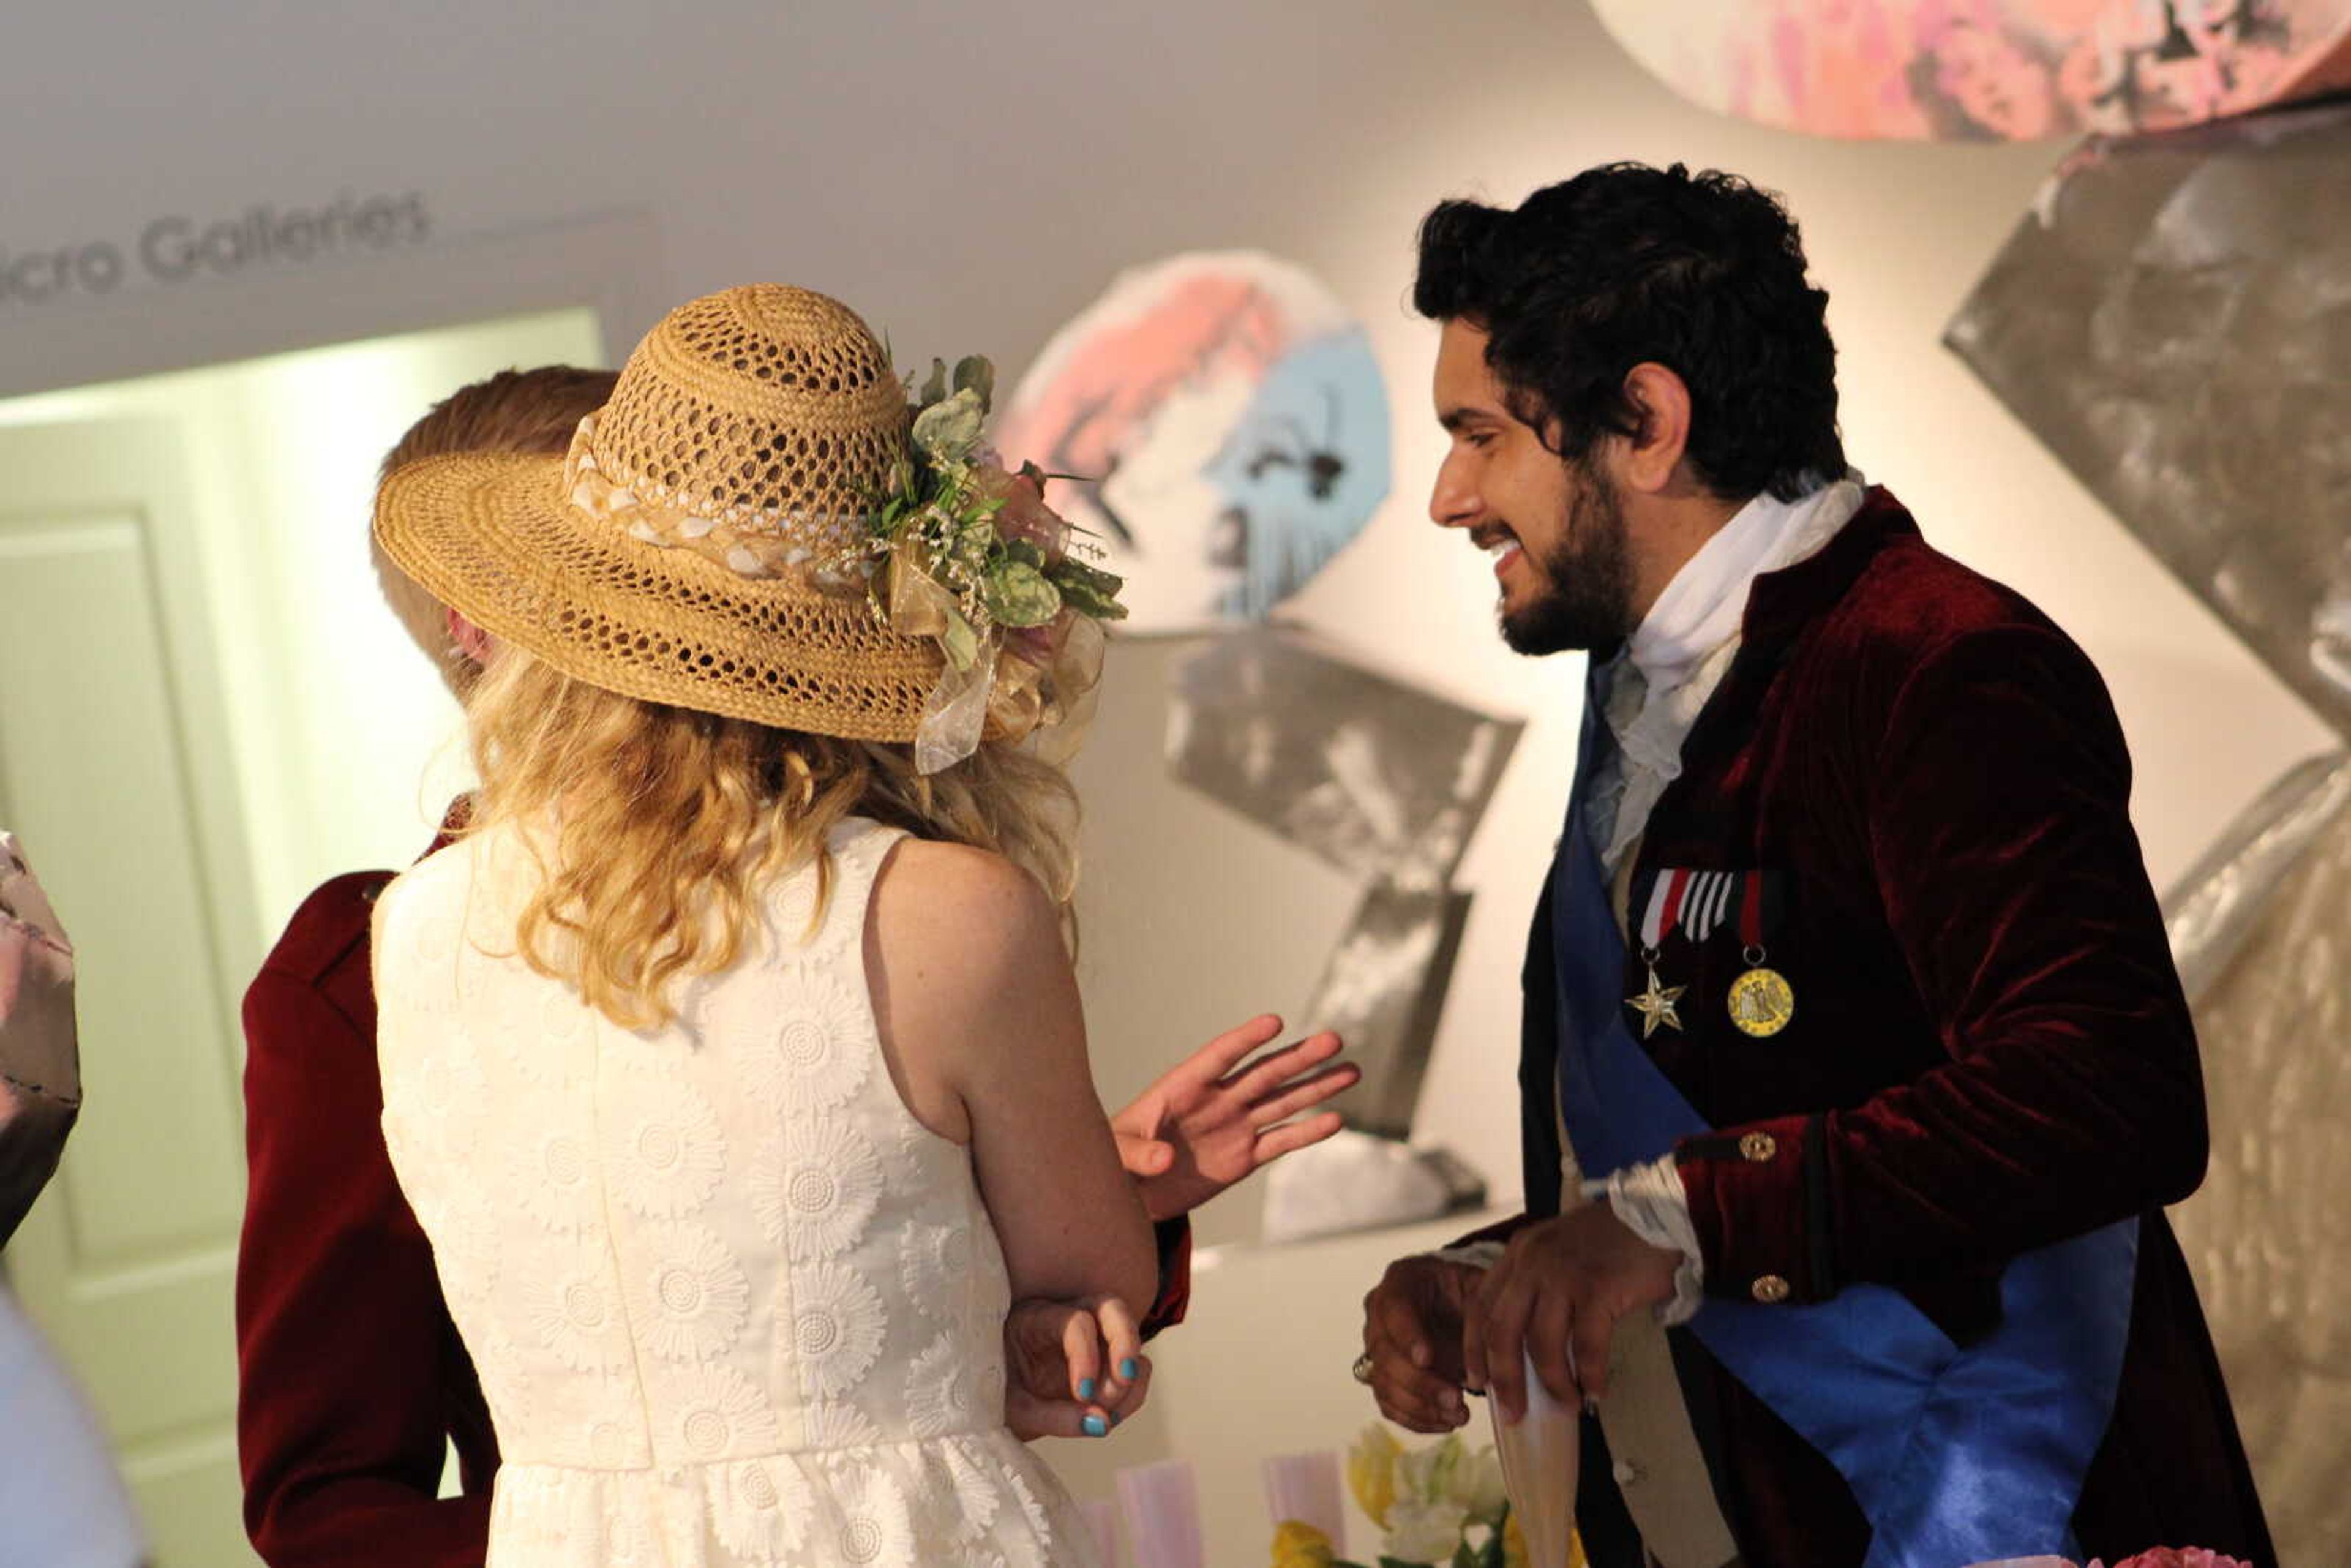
{"type": "Point", "coordinates": [1297, 1545]}
{"type": "Point", "coordinates": [1371, 1473]}
{"type": "Point", "coordinates": [1514, 1546]}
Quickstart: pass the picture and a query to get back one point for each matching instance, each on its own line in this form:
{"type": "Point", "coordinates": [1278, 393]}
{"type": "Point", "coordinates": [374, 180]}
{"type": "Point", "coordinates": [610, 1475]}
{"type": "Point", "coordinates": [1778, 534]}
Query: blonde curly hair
{"type": "Point", "coordinates": [668, 821]}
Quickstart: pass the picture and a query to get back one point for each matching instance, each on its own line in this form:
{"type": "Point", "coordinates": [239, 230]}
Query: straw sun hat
{"type": "Point", "coordinates": [688, 549]}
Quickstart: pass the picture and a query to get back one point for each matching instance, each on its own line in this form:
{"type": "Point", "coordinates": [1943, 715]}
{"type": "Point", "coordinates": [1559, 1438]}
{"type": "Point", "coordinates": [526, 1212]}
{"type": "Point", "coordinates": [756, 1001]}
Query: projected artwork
{"type": "Point", "coordinates": [1229, 427]}
{"type": "Point", "coordinates": [1378, 779]}
{"type": "Point", "coordinates": [2174, 322]}
{"type": "Point", "coordinates": [1996, 71]}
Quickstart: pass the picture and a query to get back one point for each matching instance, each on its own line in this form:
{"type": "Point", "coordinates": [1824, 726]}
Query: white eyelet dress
{"type": "Point", "coordinates": [730, 1302]}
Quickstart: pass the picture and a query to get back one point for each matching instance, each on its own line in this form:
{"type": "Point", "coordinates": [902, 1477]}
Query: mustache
{"type": "Point", "coordinates": [1485, 535]}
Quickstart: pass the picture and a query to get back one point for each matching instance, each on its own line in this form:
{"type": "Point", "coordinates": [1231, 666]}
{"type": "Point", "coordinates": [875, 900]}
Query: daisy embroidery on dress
{"type": "Point", "coordinates": [875, 1526]}
{"type": "Point", "coordinates": [436, 1098]}
{"type": "Point", "coordinates": [935, 1264]}
{"type": "Point", "coordinates": [550, 1180]}
{"type": "Point", "coordinates": [760, 1508]}
{"type": "Point", "coordinates": [695, 1297]}
{"type": "Point", "coordinates": [797, 926]}
{"type": "Point", "coordinates": [838, 1324]}
{"type": "Point", "coordinates": [816, 1054]}
{"type": "Point", "coordinates": [573, 1312]}
{"type": "Point", "coordinates": [717, 1410]}
{"type": "Point", "coordinates": [977, 1495]}
{"type": "Point", "coordinates": [664, 1153]}
{"type": "Point", "coordinates": [1040, 1520]}
{"type": "Point", "coordinates": [547, 1032]}
{"type": "Point", "coordinates": [816, 1187]}
{"type": "Point", "coordinates": [938, 1390]}
{"type": "Point", "coordinates": [829, 1426]}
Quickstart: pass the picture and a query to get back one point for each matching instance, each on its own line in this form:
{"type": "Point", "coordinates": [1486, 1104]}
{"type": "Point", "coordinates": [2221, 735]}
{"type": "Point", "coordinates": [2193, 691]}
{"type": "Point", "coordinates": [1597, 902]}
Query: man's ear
{"type": "Point", "coordinates": [1653, 453]}
{"type": "Point", "coordinates": [470, 640]}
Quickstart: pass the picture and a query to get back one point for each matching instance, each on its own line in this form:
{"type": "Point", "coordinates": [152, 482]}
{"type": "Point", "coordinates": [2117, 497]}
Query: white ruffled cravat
{"type": "Point", "coordinates": [1657, 686]}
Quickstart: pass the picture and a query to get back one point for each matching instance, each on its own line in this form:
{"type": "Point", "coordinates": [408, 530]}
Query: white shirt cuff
{"type": "Point", "coordinates": [1652, 1204]}
{"type": "Point", "coordinates": [1474, 1254]}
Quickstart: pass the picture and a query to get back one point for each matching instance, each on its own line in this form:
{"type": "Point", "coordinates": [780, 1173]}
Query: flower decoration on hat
{"type": "Point", "coordinates": [960, 550]}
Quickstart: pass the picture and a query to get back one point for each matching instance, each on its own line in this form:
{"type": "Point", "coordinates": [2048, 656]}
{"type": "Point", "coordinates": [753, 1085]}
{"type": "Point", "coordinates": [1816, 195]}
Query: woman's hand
{"type": "Point", "coordinates": [1219, 1117]}
{"type": "Point", "coordinates": [1072, 1369]}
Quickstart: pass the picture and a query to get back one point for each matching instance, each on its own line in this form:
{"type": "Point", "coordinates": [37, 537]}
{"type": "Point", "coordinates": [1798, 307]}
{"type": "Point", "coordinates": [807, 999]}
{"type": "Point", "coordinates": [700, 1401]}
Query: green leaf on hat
{"type": "Point", "coordinates": [1018, 594]}
{"type": "Point", "coordinates": [1085, 586]}
{"type": "Point", "coordinates": [1088, 600]}
{"type": "Point", "coordinates": [949, 430]}
{"type": "Point", "coordinates": [976, 372]}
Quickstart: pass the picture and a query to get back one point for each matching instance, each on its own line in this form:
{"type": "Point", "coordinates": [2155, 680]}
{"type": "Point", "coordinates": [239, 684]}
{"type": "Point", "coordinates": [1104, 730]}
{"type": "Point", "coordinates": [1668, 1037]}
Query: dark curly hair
{"type": "Point", "coordinates": [1628, 264]}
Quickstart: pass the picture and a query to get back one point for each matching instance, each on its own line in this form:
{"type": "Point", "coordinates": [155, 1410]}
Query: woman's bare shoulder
{"type": "Point", "coordinates": [959, 906]}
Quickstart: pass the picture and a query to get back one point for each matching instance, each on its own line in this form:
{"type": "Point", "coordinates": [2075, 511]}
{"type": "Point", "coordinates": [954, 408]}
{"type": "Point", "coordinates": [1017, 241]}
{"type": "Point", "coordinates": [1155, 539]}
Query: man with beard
{"type": "Point", "coordinates": [1847, 1003]}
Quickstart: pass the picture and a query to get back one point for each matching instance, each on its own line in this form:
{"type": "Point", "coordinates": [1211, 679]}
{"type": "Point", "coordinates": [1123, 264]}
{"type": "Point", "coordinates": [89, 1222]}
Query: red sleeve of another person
{"type": "Point", "coordinates": [352, 1381]}
{"type": "Point", "coordinates": [1174, 1238]}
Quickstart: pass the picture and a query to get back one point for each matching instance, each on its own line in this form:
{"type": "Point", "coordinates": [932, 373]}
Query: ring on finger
{"type": "Point", "coordinates": [1362, 1370]}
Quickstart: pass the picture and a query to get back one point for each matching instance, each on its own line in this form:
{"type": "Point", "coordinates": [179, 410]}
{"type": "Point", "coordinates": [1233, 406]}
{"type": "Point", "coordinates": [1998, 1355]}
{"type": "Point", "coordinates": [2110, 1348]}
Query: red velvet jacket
{"type": "Point", "coordinates": [1990, 1051]}
{"type": "Point", "coordinates": [352, 1379]}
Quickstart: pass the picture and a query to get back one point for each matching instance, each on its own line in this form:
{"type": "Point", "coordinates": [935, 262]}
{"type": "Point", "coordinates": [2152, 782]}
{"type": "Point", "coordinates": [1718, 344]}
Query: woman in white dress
{"type": "Point", "coordinates": [733, 1062]}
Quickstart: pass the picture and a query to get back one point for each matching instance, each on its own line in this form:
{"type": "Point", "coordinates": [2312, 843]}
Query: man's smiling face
{"type": "Point", "coordinates": [1555, 528]}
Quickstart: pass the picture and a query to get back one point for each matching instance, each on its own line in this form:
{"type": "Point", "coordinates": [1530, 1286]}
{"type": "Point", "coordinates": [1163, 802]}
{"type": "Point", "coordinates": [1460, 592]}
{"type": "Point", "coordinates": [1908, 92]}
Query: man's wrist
{"type": "Point", "coordinates": [1650, 1201]}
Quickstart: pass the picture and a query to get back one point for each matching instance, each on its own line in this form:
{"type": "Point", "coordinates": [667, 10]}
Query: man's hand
{"type": "Point", "coordinates": [1412, 1331]}
{"type": "Point", "coordinates": [1217, 1117]}
{"type": "Point", "coordinates": [1072, 1369]}
{"type": "Point", "coordinates": [1556, 1295]}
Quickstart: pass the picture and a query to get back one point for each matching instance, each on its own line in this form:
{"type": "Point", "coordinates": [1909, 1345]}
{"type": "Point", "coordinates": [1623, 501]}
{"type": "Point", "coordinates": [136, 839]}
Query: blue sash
{"type": "Point", "coordinates": [1955, 1456]}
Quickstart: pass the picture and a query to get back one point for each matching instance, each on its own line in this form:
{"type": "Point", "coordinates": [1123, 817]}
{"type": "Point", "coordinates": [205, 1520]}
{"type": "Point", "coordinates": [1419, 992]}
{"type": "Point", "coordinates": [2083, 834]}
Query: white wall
{"type": "Point", "coordinates": [969, 176]}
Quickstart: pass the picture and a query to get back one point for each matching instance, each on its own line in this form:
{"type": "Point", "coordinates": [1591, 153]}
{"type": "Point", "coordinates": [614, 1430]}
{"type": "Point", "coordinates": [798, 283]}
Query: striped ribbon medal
{"type": "Point", "coordinates": [1762, 1003]}
{"type": "Point", "coordinates": [1699, 903]}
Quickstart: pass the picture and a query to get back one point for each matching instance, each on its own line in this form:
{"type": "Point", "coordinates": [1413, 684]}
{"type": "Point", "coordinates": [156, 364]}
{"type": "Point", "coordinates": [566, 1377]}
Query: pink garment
{"type": "Point", "coordinates": [40, 1066]}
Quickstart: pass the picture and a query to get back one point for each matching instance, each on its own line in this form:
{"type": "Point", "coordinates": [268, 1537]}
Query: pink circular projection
{"type": "Point", "coordinates": [1987, 70]}
{"type": "Point", "coordinates": [1229, 427]}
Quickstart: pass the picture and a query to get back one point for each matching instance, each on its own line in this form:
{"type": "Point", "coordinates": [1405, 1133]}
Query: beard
{"type": "Point", "coordinates": [1587, 572]}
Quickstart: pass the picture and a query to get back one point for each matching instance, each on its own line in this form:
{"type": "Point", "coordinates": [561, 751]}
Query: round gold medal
{"type": "Point", "coordinates": [1762, 1003]}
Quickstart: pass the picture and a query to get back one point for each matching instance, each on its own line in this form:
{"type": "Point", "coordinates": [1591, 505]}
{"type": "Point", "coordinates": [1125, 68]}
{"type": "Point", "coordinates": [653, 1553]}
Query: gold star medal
{"type": "Point", "coordinates": [1762, 1003]}
{"type": "Point", "coordinates": [1656, 1005]}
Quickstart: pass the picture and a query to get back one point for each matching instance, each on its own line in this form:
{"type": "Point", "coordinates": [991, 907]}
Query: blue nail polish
{"type": "Point", "coordinates": [1127, 1369]}
{"type": "Point", "coordinates": [1086, 1389]}
{"type": "Point", "coordinates": [1097, 1427]}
